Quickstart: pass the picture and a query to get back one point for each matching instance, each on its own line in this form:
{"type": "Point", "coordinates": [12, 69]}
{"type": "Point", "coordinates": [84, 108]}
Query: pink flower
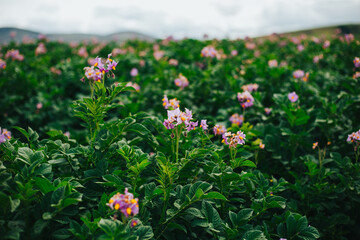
{"type": "Point", "coordinates": [134, 72]}
{"type": "Point", "coordinates": [267, 111]}
{"type": "Point", "coordinates": [203, 125]}
{"type": "Point", "coordinates": [234, 52]}
{"type": "Point", "coordinates": [233, 139]}
{"type": "Point", "coordinates": [158, 54]}
{"type": "Point", "coordinates": [349, 38]}
{"type": "Point", "coordinates": [39, 106]}
{"type": "Point", "coordinates": [14, 55]}
{"type": "Point", "coordinates": [356, 75]}
{"type": "Point", "coordinates": [293, 97]}
{"type": "Point", "coordinates": [250, 45]}
{"type": "Point", "coordinates": [209, 51]}
{"type": "Point", "coordinates": [67, 134]}
{"type": "Point", "coordinates": [126, 203]}
{"type": "Point", "coordinates": [236, 119]}
{"type": "Point", "coordinates": [181, 81]}
{"type": "Point", "coordinates": [357, 62]}
{"type": "Point", "coordinates": [315, 144]}
{"type": "Point", "coordinates": [250, 87]}
{"type": "Point", "coordinates": [173, 103]}
{"type": "Point", "coordinates": [300, 47]}
{"type": "Point", "coordinates": [317, 58]}
{"type": "Point", "coordinates": [173, 62]}
{"type": "Point", "coordinates": [273, 63]}
{"type": "Point", "coordinates": [134, 85]}
{"type": "Point", "coordinates": [245, 99]}
{"type": "Point", "coordinates": [82, 52]}
{"type": "Point", "coordinates": [219, 129]}
{"type": "Point", "coordinates": [298, 74]}
{"type": "Point", "coordinates": [41, 49]}
{"type": "Point", "coordinates": [2, 64]}
{"type": "Point", "coordinates": [326, 44]}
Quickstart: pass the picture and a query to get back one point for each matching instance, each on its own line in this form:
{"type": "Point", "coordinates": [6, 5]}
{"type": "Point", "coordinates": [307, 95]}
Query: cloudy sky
{"type": "Point", "coordinates": [181, 18]}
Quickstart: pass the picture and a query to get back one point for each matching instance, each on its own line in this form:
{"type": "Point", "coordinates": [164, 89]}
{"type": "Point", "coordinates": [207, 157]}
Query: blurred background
{"type": "Point", "coordinates": [118, 20]}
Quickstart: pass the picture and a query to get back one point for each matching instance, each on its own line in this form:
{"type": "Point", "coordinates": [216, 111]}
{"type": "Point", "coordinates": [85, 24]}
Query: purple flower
{"type": "Point", "coordinates": [181, 81]}
{"type": "Point", "coordinates": [173, 103]}
{"type": "Point", "coordinates": [349, 38]}
{"type": "Point", "coordinates": [2, 64]}
{"type": "Point", "coordinates": [219, 129]}
{"type": "Point", "coordinates": [245, 99]}
{"type": "Point", "coordinates": [112, 64]}
{"type": "Point", "coordinates": [267, 111]}
{"type": "Point", "coordinates": [203, 125]}
{"type": "Point", "coordinates": [354, 137]}
{"type": "Point", "coordinates": [126, 203]}
{"type": "Point", "coordinates": [357, 62]}
{"type": "Point", "coordinates": [298, 74]}
{"type": "Point", "coordinates": [237, 119]}
{"type": "Point", "coordinates": [250, 87]}
{"type": "Point", "coordinates": [4, 135]}
{"type": "Point", "coordinates": [191, 126]}
{"type": "Point", "coordinates": [234, 52]}
{"type": "Point", "coordinates": [209, 51]}
{"type": "Point", "coordinates": [273, 63]}
{"type": "Point", "coordinates": [293, 97]}
{"type": "Point", "coordinates": [134, 72]}
{"type": "Point", "coordinates": [233, 139]}
{"type": "Point", "coordinates": [326, 44]}
{"type": "Point", "coordinates": [134, 222]}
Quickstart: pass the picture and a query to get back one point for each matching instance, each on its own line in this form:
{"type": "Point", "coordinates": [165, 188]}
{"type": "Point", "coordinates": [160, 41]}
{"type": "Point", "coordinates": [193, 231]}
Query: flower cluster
{"type": "Point", "coordinates": [4, 135]}
{"type": "Point", "coordinates": [236, 119]}
{"type": "Point", "coordinates": [357, 62]}
{"type": "Point", "coordinates": [40, 49]}
{"type": "Point", "coordinates": [209, 51]}
{"type": "Point", "coordinates": [293, 97]}
{"type": "Point", "coordinates": [245, 99]}
{"type": "Point", "coordinates": [173, 103]}
{"type": "Point", "coordinates": [14, 55]}
{"type": "Point", "coordinates": [354, 137]}
{"type": "Point", "coordinates": [177, 117]}
{"type": "Point", "coordinates": [126, 203]}
{"type": "Point", "coordinates": [181, 81]}
{"type": "Point", "coordinates": [2, 64]}
{"type": "Point", "coordinates": [233, 139]}
{"type": "Point", "coordinates": [298, 74]}
{"type": "Point", "coordinates": [99, 68]}
{"type": "Point", "coordinates": [273, 63]}
{"type": "Point", "coordinates": [250, 87]}
{"type": "Point", "coordinates": [219, 129]}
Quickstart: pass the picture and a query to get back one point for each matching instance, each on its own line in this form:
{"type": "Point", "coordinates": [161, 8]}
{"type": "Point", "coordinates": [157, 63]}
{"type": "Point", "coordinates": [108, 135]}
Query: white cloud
{"type": "Point", "coordinates": [192, 18]}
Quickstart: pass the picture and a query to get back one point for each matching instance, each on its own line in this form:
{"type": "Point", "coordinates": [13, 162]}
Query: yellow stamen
{"type": "Point", "coordinates": [113, 68]}
{"type": "Point", "coordinates": [103, 71]}
{"type": "Point", "coordinates": [8, 137]}
{"type": "Point", "coordinates": [111, 200]}
{"type": "Point", "coordinates": [95, 64]}
{"type": "Point", "coordinates": [134, 224]}
{"type": "Point", "coordinates": [164, 104]}
{"type": "Point", "coordinates": [117, 206]}
{"type": "Point", "coordinates": [89, 74]}
{"type": "Point", "coordinates": [110, 59]}
{"type": "Point", "coordinates": [128, 211]}
{"type": "Point", "coordinates": [97, 73]}
{"type": "Point", "coordinates": [223, 140]}
{"type": "Point", "coordinates": [133, 201]}
{"type": "Point", "coordinates": [182, 118]}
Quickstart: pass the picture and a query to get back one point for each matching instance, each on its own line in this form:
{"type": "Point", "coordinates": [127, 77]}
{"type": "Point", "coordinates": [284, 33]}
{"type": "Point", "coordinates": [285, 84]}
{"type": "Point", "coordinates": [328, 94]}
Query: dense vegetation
{"type": "Point", "coordinates": [213, 139]}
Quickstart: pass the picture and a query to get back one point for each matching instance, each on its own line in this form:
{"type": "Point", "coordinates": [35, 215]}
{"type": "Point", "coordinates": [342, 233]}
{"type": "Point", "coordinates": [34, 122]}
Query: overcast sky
{"type": "Point", "coordinates": [181, 18]}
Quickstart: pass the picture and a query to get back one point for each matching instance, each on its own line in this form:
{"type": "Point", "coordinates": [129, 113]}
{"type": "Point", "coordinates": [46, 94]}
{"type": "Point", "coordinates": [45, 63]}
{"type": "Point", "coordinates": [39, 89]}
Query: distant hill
{"type": "Point", "coordinates": [328, 31]}
{"type": "Point", "coordinates": [21, 33]}
{"type": "Point", "coordinates": [123, 36]}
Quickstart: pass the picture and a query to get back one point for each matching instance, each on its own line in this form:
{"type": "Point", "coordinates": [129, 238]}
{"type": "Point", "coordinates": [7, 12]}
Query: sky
{"type": "Point", "coordinates": [182, 18]}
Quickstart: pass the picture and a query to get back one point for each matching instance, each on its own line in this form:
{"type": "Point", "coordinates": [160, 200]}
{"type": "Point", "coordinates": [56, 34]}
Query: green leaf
{"type": "Point", "coordinates": [254, 235]}
{"type": "Point", "coordinates": [247, 163]}
{"type": "Point", "coordinates": [44, 185]}
{"type": "Point", "coordinates": [244, 215]}
{"type": "Point", "coordinates": [57, 195]}
{"type": "Point", "coordinates": [214, 195]}
{"type": "Point", "coordinates": [23, 132]}
{"type": "Point", "coordinates": [145, 232]}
